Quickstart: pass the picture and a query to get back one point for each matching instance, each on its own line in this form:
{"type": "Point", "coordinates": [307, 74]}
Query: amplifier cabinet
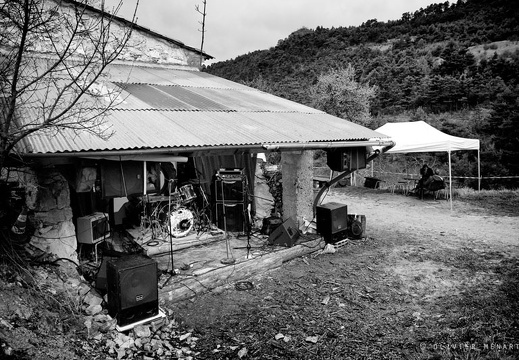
{"type": "Point", "coordinates": [230, 189]}
{"type": "Point", "coordinates": [332, 221]}
{"type": "Point", "coordinates": [230, 217]}
{"type": "Point", "coordinates": [132, 289]}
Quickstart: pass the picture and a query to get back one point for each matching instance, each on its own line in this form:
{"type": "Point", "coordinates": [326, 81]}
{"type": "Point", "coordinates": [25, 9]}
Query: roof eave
{"type": "Point", "coordinates": [252, 148]}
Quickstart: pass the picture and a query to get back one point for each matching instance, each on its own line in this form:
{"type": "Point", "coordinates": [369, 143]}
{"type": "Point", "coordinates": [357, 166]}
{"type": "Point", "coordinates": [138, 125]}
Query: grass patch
{"type": "Point", "coordinates": [496, 202]}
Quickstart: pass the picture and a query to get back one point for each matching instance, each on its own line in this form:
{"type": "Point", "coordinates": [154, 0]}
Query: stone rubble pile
{"type": "Point", "coordinates": [159, 339]}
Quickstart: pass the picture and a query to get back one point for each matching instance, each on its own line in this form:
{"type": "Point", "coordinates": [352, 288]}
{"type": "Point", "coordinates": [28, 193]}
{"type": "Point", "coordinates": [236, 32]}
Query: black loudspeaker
{"type": "Point", "coordinates": [234, 219]}
{"type": "Point", "coordinates": [356, 226]}
{"type": "Point", "coordinates": [332, 221]}
{"type": "Point", "coordinates": [342, 159]}
{"type": "Point", "coordinates": [133, 293]}
{"type": "Point", "coordinates": [122, 178]}
{"type": "Point", "coordinates": [101, 283]}
{"type": "Point", "coordinates": [229, 190]}
{"type": "Point", "coordinates": [285, 234]}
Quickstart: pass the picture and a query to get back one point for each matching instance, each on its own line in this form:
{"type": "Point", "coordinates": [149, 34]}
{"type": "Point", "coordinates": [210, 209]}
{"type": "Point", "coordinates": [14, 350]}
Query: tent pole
{"type": "Point", "coordinates": [479, 173]}
{"type": "Point", "coordinates": [450, 179]}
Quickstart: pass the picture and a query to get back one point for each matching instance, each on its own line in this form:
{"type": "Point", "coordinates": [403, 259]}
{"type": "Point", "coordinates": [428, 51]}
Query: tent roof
{"type": "Point", "coordinates": [418, 136]}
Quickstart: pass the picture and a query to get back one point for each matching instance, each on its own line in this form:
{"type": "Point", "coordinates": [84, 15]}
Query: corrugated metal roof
{"type": "Point", "coordinates": [171, 108]}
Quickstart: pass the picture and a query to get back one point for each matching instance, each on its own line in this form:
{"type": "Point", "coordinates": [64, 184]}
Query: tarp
{"type": "Point", "coordinates": [418, 136]}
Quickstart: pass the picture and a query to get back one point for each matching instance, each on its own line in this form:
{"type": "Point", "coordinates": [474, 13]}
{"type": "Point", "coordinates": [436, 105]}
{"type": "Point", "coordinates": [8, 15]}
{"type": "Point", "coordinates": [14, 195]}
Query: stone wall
{"type": "Point", "coordinates": [141, 47]}
{"type": "Point", "coordinates": [48, 196]}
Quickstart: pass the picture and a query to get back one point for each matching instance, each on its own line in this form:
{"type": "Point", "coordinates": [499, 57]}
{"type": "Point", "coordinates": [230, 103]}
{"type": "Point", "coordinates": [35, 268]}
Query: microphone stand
{"type": "Point", "coordinates": [172, 271]}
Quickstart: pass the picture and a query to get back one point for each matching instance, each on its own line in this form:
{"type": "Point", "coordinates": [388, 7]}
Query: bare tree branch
{"type": "Point", "coordinates": [53, 55]}
{"type": "Point", "coordinates": [203, 13]}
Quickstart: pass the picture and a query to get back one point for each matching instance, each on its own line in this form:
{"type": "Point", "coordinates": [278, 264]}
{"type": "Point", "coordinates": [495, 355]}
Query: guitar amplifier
{"type": "Point", "coordinates": [230, 174]}
{"type": "Point", "coordinates": [231, 217]}
{"type": "Point", "coordinates": [229, 190]}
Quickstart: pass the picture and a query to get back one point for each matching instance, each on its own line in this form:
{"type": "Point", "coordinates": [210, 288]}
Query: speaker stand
{"type": "Point", "coordinates": [172, 271]}
{"type": "Point", "coordinates": [228, 260]}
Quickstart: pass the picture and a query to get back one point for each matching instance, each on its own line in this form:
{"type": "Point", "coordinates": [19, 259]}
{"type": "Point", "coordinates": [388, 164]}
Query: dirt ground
{"type": "Point", "coordinates": [426, 283]}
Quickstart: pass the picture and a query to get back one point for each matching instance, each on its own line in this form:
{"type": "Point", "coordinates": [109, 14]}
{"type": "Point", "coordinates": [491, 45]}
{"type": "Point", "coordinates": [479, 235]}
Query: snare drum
{"type": "Point", "coordinates": [188, 193]}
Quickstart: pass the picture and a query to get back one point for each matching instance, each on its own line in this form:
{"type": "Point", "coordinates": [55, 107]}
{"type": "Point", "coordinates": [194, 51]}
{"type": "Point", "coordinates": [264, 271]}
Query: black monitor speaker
{"type": "Point", "coordinates": [132, 289]}
{"type": "Point", "coordinates": [285, 234]}
{"type": "Point", "coordinates": [332, 221]}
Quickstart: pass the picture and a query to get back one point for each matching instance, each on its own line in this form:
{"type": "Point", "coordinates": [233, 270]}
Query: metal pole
{"type": "Point", "coordinates": [450, 179]}
{"type": "Point", "coordinates": [479, 173]}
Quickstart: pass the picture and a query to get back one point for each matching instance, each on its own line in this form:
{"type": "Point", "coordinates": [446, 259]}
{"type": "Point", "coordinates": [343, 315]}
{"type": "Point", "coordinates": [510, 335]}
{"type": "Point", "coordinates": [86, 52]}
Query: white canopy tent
{"type": "Point", "coordinates": [418, 136]}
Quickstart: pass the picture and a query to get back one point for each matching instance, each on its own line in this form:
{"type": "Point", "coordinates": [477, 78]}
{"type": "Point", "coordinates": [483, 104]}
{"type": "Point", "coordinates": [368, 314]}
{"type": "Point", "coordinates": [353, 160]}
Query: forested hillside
{"type": "Point", "coordinates": [456, 66]}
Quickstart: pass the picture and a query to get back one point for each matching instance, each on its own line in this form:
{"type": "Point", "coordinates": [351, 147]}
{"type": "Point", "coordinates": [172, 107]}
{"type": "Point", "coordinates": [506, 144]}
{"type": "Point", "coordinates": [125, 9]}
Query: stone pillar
{"type": "Point", "coordinates": [55, 232]}
{"type": "Point", "coordinates": [297, 169]}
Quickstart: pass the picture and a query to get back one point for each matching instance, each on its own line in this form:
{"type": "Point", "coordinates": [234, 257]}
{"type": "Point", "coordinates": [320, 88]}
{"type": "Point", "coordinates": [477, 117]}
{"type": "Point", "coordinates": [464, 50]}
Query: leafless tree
{"type": "Point", "coordinates": [53, 54]}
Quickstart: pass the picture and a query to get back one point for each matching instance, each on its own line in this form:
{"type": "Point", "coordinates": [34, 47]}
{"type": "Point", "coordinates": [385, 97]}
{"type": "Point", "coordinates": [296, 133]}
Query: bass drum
{"type": "Point", "coordinates": [181, 222]}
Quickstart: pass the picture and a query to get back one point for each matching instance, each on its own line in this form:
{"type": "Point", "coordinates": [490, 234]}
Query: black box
{"type": "Point", "coordinates": [132, 284]}
{"type": "Point", "coordinates": [233, 220]}
{"type": "Point", "coordinates": [285, 234]}
{"type": "Point", "coordinates": [342, 159]}
{"type": "Point", "coordinates": [229, 190]}
{"type": "Point", "coordinates": [332, 221]}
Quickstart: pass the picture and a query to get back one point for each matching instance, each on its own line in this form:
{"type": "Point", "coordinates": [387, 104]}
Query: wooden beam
{"type": "Point", "coordinates": [186, 287]}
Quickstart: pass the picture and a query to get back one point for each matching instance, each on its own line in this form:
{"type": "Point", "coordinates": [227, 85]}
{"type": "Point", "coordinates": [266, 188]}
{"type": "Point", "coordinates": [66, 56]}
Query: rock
{"type": "Point", "coordinates": [93, 298]}
{"type": "Point", "coordinates": [93, 309]}
{"type": "Point", "coordinates": [312, 339]}
{"type": "Point", "coordinates": [64, 247]}
{"type": "Point", "coordinates": [142, 331]}
{"type": "Point", "coordinates": [185, 336]}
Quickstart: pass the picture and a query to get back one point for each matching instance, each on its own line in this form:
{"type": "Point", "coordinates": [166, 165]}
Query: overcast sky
{"type": "Point", "coordinates": [237, 27]}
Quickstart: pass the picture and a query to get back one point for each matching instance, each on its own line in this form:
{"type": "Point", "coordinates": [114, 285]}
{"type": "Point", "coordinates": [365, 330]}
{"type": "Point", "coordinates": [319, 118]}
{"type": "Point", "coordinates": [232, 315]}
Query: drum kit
{"type": "Point", "coordinates": [175, 213]}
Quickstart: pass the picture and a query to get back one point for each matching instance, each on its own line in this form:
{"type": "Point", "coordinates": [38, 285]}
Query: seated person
{"type": "Point", "coordinates": [435, 182]}
{"type": "Point", "coordinates": [170, 175]}
{"type": "Point", "coordinates": [426, 172]}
